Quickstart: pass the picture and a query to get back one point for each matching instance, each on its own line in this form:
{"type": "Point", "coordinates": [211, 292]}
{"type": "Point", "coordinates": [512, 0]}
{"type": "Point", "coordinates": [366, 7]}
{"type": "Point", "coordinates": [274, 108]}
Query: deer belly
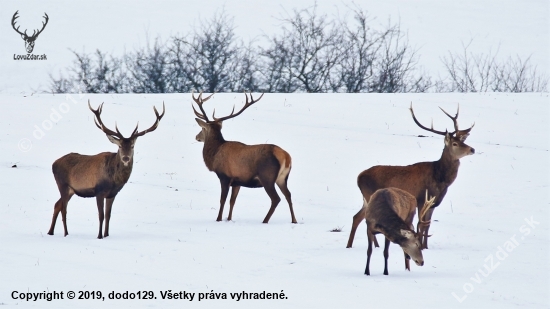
{"type": "Point", "coordinates": [108, 190]}
{"type": "Point", "coordinates": [249, 183]}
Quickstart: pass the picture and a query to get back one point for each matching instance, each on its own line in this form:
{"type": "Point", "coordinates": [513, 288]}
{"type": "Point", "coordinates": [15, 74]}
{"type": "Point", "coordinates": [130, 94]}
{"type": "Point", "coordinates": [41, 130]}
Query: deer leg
{"type": "Point", "coordinates": [407, 260]}
{"type": "Point", "coordinates": [275, 199]}
{"type": "Point", "coordinates": [100, 204]}
{"type": "Point", "coordinates": [234, 193]}
{"type": "Point", "coordinates": [108, 207]}
{"type": "Point", "coordinates": [369, 252]}
{"type": "Point", "coordinates": [283, 186]}
{"type": "Point", "coordinates": [386, 255]}
{"type": "Point", "coordinates": [61, 206]}
{"type": "Point", "coordinates": [56, 209]}
{"type": "Point", "coordinates": [224, 182]}
{"type": "Point", "coordinates": [357, 218]}
{"type": "Point", "coordinates": [424, 235]}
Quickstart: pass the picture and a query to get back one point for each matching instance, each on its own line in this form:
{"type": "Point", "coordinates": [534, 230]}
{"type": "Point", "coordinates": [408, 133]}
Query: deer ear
{"type": "Point", "coordinates": [407, 234]}
{"type": "Point", "coordinates": [201, 123]}
{"type": "Point", "coordinates": [113, 140]}
{"type": "Point", "coordinates": [447, 139]}
{"type": "Point", "coordinates": [464, 137]}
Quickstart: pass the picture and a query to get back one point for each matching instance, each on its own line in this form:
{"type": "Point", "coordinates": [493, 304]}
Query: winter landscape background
{"type": "Point", "coordinates": [163, 230]}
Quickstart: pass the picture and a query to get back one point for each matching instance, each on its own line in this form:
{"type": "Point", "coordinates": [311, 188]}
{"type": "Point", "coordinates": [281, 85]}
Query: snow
{"type": "Point", "coordinates": [163, 231]}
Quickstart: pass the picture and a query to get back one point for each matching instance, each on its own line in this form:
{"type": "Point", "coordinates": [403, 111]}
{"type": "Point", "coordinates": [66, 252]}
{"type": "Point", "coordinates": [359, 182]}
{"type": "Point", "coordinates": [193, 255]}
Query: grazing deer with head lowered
{"type": "Point", "coordinates": [435, 176]}
{"type": "Point", "coordinates": [238, 165]}
{"type": "Point", "coordinates": [101, 176]}
{"type": "Point", "coordinates": [391, 211]}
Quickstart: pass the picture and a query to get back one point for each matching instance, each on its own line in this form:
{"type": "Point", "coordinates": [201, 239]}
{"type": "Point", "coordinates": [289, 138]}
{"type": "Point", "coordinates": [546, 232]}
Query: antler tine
{"type": "Point", "coordinates": [154, 126]}
{"type": "Point", "coordinates": [455, 118]}
{"type": "Point", "coordinates": [423, 127]}
{"type": "Point", "coordinates": [428, 203]}
{"type": "Point", "coordinates": [43, 25]}
{"type": "Point", "coordinates": [199, 100]}
{"type": "Point", "coordinates": [247, 104]}
{"type": "Point", "coordinates": [99, 123]}
{"type": "Point", "coordinates": [13, 23]}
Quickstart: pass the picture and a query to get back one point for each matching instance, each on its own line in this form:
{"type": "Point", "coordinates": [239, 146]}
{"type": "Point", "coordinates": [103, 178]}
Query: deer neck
{"type": "Point", "coordinates": [393, 232]}
{"type": "Point", "coordinates": [119, 172]}
{"type": "Point", "coordinates": [446, 168]}
{"type": "Point", "coordinates": [212, 144]}
{"type": "Point", "coordinates": [391, 225]}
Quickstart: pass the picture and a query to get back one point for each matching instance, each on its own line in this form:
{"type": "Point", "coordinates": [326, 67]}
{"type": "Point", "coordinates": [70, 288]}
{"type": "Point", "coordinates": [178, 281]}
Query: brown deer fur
{"type": "Point", "coordinates": [101, 176]}
{"type": "Point", "coordinates": [434, 176]}
{"type": "Point", "coordinates": [238, 165]}
{"type": "Point", "coordinates": [391, 212]}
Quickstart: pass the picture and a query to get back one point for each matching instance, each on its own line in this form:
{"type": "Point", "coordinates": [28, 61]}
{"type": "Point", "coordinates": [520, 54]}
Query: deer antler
{"type": "Point", "coordinates": [35, 33]}
{"type": "Point", "coordinates": [13, 24]}
{"type": "Point", "coordinates": [43, 26]}
{"type": "Point", "coordinates": [428, 203]}
{"type": "Point", "coordinates": [199, 100]}
{"type": "Point", "coordinates": [153, 127]}
{"type": "Point", "coordinates": [462, 134]}
{"type": "Point", "coordinates": [99, 123]}
{"type": "Point", "coordinates": [423, 127]}
{"type": "Point", "coordinates": [246, 105]}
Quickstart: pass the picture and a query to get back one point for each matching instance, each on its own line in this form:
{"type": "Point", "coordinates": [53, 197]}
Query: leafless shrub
{"type": "Point", "coordinates": [482, 72]}
{"type": "Point", "coordinates": [149, 69]}
{"type": "Point", "coordinates": [212, 59]}
{"type": "Point", "coordinates": [302, 58]}
{"type": "Point", "coordinates": [99, 74]}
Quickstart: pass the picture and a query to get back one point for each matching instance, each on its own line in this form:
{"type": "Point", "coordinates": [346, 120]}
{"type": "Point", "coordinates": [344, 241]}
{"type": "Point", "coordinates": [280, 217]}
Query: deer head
{"type": "Point", "coordinates": [29, 40]}
{"type": "Point", "coordinates": [454, 141]}
{"type": "Point", "coordinates": [412, 246]}
{"type": "Point", "coordinates": [125, 145]}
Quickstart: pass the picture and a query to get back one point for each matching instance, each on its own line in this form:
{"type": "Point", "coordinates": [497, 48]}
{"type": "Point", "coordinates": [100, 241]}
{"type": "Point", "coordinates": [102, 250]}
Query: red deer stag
{"type": "Point", "coordinates": [435, 176]}
{"type": "Point", "coordinates": [391, 212]}
{"type": "Point", "coordinates": [238, 165]}
{"type": "Point", "coordinates": [101, 176]}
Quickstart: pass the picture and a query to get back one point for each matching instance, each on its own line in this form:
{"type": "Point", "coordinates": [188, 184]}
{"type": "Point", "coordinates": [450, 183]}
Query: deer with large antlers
{"type": "Point", "coordinates": [390, 212]}
{"type": "Point", "coordinates": [29, 40]}
{"type": "Point", "coordinates": [435, 176]}
{"type": "Point", "coordinates": [238, 165]}
{"type": "Point", "coordinates": [101, 176]}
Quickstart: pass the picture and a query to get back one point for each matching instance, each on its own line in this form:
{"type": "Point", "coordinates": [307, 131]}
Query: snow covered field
{"type": "Point", "coordinates": [163, 231]}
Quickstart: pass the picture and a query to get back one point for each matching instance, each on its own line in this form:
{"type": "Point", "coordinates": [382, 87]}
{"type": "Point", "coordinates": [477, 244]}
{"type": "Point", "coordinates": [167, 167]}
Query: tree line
{"type": "Point", "coordinates": [311, 53]}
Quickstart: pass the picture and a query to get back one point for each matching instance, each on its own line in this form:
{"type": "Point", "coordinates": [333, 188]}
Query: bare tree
{"type": "Point", "coordinates": [150, 69]}
{"type": "Point", "coordinates": [304, 56]}
{"type": "Point", "coordinates": [396, 65]}
{"type": "Point", "coordinates": [482, 72]}
{"type": "Point", "coordinates": [517, 75]}
{"type": "Point", "coordinates": [102, 74]}
{"type": "Point", "coordinates": [361, 43]}
{"type": "Point", "coordinates": [211, 59]}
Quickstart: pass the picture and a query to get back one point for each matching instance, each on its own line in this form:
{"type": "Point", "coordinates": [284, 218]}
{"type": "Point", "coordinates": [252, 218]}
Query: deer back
{"type": "Point", "coordinates": [391, 209]}
{"type": "Point", "coordinates": [244, 163]}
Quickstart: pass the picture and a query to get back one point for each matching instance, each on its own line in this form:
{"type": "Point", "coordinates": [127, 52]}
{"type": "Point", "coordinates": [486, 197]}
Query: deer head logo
{"type": "Point", "coordinates": [29, 40]}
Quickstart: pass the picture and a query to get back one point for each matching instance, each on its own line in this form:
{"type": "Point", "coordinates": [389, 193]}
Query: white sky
{"type": "Point", "coordinates": [434, 27]}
